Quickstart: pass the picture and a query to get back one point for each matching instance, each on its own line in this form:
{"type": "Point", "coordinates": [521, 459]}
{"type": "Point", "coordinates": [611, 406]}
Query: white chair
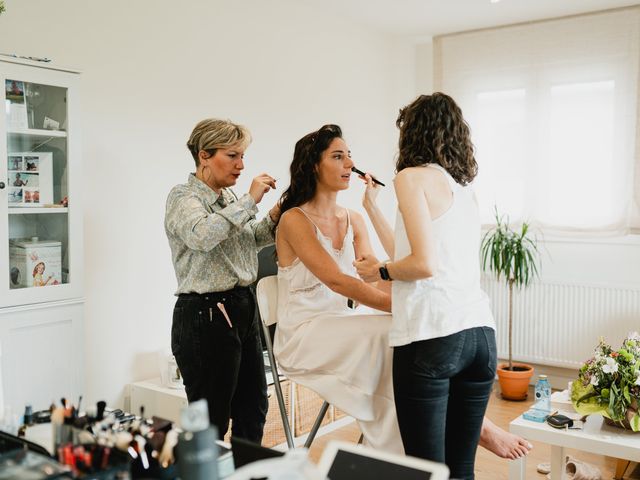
{"type": "Point", "coordinates": [267, 295]}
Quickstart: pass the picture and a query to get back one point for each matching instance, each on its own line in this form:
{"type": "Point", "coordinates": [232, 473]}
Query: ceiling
{"type": "Point", "coordinates": [434, 17]}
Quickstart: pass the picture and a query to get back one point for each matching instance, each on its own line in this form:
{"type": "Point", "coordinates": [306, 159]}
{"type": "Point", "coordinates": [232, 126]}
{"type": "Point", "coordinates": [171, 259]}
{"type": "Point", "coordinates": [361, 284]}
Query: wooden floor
{"type": "Point", "coordinates": [488, 465]}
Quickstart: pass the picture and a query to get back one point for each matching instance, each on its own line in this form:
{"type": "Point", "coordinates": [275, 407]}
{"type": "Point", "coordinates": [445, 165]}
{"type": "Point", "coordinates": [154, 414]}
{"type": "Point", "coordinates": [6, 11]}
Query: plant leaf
{"type": "Point", "coordinates": [635, 423]}
{"type": "Point", "coordinates": [625, 392]}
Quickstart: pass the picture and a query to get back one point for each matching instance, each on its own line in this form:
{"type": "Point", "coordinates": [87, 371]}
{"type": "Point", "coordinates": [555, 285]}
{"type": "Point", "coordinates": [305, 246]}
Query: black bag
{"type": "Point", "coordinates": [559, 421]}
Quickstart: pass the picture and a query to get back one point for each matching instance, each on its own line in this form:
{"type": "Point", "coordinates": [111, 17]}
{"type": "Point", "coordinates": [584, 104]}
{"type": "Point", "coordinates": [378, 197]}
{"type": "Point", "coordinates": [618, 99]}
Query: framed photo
{"type": "Point", "coordinates": [30, 178]}
{"type": "Point", "coordinates": [16, 106]}
{"type": "Point", "coordinates": [15, 196]}
{"type": "Point", "coordinates": [14, 91]}
{"type": "Point", "coordinates": [14, 162]}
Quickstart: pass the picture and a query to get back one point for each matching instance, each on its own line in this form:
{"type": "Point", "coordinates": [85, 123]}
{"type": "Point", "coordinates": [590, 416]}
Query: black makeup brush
{"type": "Point", "coordinates": [360, 172]}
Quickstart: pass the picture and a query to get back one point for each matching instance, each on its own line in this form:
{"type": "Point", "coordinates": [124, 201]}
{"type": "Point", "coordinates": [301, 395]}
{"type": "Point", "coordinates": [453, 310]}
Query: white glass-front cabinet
{"type": "Point", "coordinates": [41, 244]}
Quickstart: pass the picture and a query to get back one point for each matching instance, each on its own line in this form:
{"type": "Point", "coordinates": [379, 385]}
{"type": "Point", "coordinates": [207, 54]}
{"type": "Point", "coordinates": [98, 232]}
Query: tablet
{"type": "Point", "coordinates": [347, 461]}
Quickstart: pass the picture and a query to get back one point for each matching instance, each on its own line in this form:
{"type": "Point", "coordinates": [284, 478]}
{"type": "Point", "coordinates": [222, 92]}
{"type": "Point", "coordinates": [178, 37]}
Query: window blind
{"type": "Point", "coordinates": [553, 108]}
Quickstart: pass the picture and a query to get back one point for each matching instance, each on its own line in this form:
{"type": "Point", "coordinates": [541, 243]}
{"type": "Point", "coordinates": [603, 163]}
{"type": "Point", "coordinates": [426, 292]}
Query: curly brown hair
{"type": "Point", "coordinates": [306, 155]}
{"type": "Point", "coordinates": [433, 130]}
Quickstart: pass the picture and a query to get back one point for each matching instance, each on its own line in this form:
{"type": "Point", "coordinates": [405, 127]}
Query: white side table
{"type": "Point", "coordinates": [157, 399]}
{"type": "Point", "coordinates": [596, 437]}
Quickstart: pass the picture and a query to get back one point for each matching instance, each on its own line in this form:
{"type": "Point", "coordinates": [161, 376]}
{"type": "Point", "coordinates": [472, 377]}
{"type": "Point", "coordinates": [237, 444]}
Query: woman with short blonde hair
{"type": "Point", "coordinates": [214, 238]}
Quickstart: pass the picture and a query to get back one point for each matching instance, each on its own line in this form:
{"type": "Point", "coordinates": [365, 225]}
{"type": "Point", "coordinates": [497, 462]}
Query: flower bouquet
{"type": "Point", "coordinates": [609, 384]}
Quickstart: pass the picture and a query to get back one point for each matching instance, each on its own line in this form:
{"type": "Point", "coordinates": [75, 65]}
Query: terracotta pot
{"type": "Point", "coordinates": [514, 384]}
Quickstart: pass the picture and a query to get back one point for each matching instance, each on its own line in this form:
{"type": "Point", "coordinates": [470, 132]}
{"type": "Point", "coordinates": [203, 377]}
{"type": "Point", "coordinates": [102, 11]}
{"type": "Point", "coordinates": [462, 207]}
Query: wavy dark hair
{"type": "Point", "coordinates": [306, 156]}
{"type": "Point", "coordinates": [433, 130]}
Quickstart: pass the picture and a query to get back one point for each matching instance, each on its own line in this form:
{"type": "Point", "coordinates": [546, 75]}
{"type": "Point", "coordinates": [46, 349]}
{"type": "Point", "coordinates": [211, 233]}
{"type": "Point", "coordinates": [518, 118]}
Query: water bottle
{"type": "Point", "coordinates": [543, 394]}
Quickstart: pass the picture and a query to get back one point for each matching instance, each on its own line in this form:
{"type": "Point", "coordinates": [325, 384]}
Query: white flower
{"type": "Point", "coordinates": [634, 336]}
{"type": "Point", "coordinates": [611, 366]}
{"type": "Point", "coordinates": [594, 381]}
{"type": "Point", "coordinates": [638, 378]}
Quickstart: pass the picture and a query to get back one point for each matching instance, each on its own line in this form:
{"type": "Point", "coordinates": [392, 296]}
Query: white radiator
{"type": "Point", "coordinates": [559, 324]}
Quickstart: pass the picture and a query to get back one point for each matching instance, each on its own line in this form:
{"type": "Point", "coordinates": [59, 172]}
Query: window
{"type": "Point", "coordinates": [552, 107]}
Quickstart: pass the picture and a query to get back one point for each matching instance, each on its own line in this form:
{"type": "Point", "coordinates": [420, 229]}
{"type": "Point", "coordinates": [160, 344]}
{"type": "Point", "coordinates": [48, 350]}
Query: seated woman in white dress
{"type": "Point", "coordinates": [342, 353]}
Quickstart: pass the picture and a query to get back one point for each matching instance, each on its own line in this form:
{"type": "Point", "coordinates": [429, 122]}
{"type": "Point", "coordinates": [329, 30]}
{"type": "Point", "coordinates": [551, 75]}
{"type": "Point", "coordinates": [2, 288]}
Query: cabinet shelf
{"type": "Point", "coordinates": [32, 210]}
{"type": "Point", "coordinates": [38, 133]}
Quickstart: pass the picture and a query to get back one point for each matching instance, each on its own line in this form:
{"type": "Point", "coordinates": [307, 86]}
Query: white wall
{"type": "Point", "coordinates": [151, 70]}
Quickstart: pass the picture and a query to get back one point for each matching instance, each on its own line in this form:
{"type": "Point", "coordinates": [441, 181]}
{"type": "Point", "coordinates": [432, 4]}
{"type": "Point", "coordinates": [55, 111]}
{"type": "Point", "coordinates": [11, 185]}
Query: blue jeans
{"type": "Point", "coordinates": [222, 363]}
{"type": "Point", "coordinates": [442, 387]}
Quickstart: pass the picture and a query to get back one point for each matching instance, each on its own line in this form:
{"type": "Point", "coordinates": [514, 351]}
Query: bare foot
{"type": "Point", "coordinates": [502, 443]}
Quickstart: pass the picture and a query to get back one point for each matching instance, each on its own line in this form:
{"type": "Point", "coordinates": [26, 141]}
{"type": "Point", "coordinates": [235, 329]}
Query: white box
{"type": "Point", "coordinates": [30, 177]}
{"type": "Point", "coordinates": [561, 401]}
{"type": "Point", "coordinates": [34, 263]}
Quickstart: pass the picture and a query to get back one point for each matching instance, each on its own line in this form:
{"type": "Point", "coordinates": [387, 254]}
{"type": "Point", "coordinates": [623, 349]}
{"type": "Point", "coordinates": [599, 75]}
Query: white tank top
{"type": "Point", "coordinates": [451, 300]}
{"type": "Point", "coordinates": [300, 291]}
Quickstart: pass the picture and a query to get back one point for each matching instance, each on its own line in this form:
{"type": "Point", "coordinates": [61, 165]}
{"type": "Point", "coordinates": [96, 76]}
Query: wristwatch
{"type": "Point", "coordinates": [384, 273]}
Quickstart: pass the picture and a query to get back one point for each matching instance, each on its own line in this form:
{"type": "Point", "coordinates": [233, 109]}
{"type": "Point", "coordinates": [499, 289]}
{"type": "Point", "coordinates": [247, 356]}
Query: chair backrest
{"type": "Point", "coordinates": [267, 294]}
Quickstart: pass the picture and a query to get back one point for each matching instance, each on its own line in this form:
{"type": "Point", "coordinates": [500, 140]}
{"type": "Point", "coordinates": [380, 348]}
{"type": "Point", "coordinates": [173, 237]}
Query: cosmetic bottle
{"type": "Point", "coordinates": [197, 448]}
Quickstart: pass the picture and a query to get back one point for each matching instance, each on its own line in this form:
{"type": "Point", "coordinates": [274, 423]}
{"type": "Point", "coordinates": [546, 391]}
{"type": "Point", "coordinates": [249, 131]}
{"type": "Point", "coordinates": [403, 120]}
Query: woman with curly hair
{"type": "Point", "coordinates": [323, 341]}
{"type": "Point", "coordinates": [443, 331]}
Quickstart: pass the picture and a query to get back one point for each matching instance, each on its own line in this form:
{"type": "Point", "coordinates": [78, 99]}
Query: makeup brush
{"type": "Point", "coordinates": [361, 173]}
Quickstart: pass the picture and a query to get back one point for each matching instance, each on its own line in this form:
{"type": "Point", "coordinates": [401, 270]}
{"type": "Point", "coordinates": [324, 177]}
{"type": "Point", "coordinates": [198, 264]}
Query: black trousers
{"type": "Point", "coordinates": [222, 363]}
{"type": "Point", "coordinates": [442, 387]}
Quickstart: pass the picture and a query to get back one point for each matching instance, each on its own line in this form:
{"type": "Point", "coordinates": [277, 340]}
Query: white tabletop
{"type": "Point", "coordinates": [596, 437]}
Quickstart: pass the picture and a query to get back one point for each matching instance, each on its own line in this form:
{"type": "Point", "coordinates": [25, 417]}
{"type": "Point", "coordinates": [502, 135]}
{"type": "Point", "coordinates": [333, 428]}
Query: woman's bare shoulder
{"type": "Point", "coordinates": [293, 219]}
{"type": "Point", "coordinates": [418, 175]}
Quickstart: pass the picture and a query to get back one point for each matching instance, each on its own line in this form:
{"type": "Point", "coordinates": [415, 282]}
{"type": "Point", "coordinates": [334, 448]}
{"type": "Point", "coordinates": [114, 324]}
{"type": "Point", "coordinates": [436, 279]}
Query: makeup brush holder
{"type": "Point", "coordinates": [64, 434]}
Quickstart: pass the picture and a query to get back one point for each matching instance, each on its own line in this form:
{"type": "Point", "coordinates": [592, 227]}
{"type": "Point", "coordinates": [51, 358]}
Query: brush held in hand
{"type": "Point", "coordinates": [360, 172]}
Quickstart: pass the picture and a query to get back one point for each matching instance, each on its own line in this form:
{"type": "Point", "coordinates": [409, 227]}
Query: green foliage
{"type": "Point", "coordinates": [609, 383]}
{"type": "Point", "coordinates": [2, 7]}
{"type": "Point", "coordinates": [510, 254]}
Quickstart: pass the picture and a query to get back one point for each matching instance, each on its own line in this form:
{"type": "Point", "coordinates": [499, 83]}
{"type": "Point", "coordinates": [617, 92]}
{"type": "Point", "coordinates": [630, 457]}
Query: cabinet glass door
{"type": "Point", "coordinates": [38, 204]}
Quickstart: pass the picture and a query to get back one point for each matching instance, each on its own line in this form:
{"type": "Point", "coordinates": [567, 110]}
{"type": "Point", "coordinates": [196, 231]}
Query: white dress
{"type": "Point", "coordinates": [342, 354]}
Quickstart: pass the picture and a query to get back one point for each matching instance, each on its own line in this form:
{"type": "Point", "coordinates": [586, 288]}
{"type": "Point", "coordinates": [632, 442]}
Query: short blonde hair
{"type": "Point", "coordinates": [212, 134]}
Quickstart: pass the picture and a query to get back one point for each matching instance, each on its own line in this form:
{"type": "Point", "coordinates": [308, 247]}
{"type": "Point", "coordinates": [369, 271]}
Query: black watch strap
{"type": "Point", "coordinates": [384, 273]}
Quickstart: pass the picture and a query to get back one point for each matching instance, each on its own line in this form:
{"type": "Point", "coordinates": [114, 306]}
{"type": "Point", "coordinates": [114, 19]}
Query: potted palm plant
{"type": "Point", "coordinates": [511, 255]}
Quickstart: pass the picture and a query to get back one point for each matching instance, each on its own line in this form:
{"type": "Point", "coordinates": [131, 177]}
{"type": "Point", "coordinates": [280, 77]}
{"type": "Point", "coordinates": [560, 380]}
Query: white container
{"type": "Point", "coordinates": [174, 375]}
{"type": "Point", "coordinates": [561, 401]}
{"type": "Point", "coordinates": [170, 375]}
{"type": "Point", "coordinates": [34, 263]}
